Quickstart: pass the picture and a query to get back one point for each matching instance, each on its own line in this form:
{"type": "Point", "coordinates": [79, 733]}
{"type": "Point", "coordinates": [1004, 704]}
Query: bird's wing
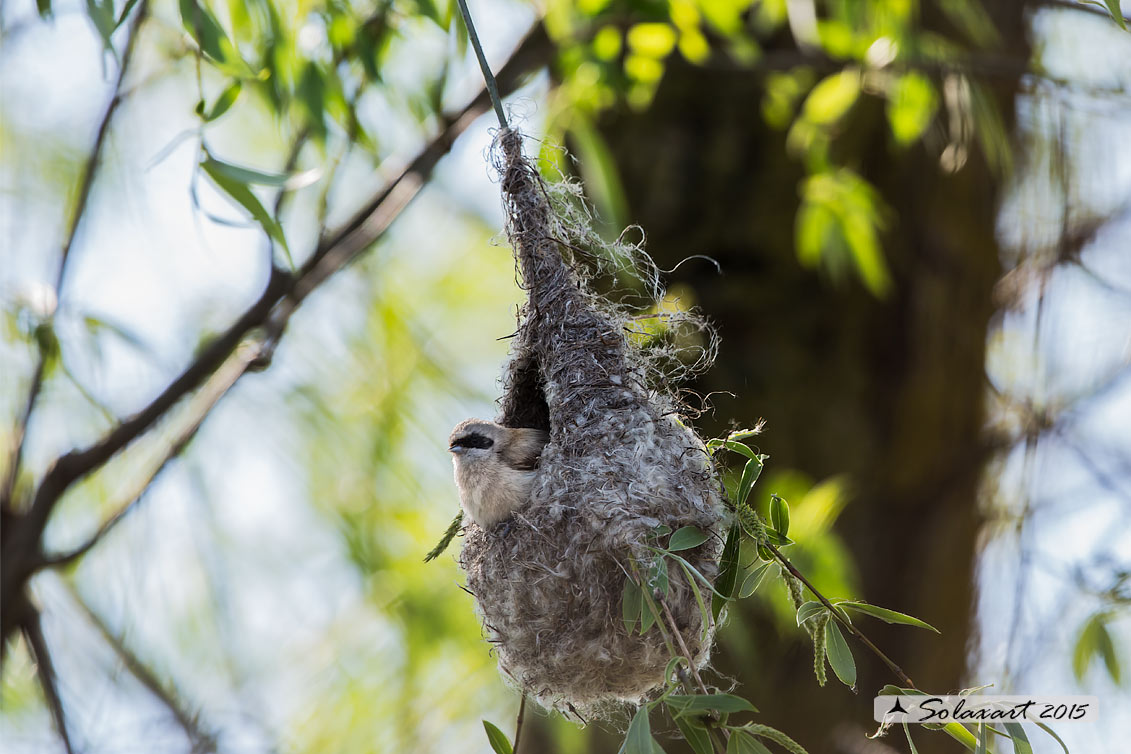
{"type": "Point", "coordinates": [525, 448]}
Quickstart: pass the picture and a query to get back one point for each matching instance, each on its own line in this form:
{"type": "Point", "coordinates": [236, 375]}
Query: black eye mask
{"type": "Point", "coordinates": [474, 440]}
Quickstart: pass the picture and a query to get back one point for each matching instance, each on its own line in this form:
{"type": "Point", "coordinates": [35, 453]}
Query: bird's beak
{"type": "Point", "coordinates": [457, 449]}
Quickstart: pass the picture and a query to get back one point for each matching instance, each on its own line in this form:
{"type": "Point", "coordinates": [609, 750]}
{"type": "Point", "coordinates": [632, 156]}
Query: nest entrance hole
{"type": "Point", "coordinates": [524, 402]}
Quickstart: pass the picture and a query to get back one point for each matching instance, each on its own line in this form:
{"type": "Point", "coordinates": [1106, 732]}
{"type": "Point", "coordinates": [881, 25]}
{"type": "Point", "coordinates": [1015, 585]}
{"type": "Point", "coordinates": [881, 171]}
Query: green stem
{"type": "Point", "coordinates": [898, 671]}
{"type": "Point", "coordinates": [488, 77]}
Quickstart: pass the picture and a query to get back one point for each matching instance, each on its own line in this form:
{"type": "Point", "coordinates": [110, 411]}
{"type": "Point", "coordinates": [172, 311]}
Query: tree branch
{"type": "Point", "coordinates": [9, 481]}
{"type": "Point", "coordinates": [202, 404]}
{"type": "Point", "coordinates": [202, 741]}
{"type": "Point", "coordinates": [45, 669]}
{"type": "Point", "coordinates": [895, 669]}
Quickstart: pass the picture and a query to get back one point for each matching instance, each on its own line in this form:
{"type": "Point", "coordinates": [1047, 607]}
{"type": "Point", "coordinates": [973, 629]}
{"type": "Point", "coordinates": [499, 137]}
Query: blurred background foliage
{"type": "Point", "coordinates": [920, 210]}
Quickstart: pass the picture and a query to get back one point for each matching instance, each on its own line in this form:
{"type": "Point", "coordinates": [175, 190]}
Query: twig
{"type": "Point", "coordinates": [518, 721]}
{"type": "Point", "coordinates": [202, 404]}
{"type": "Point", "coordinates": [202, 741]}
{"type": "Point", "coordinates": [89, 169]}
{"type": "Point", "coordinates": [488, 79]}
{"type": "Point", "coordinates": [45, 669]}
{"type": "Point", "coordinates": [898, 671]}
{"type": "Point", "coordinates": [691, 664]}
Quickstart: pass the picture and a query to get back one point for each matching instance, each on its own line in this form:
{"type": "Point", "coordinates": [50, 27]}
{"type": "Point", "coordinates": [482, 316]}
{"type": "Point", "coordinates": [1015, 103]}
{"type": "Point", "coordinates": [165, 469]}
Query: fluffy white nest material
{"type": "Point", "coordinates": [619, 464]}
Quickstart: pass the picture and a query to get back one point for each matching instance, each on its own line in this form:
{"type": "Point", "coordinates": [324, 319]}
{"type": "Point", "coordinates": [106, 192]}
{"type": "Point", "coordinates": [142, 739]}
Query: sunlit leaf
{"type": "Point", "coordinates": [912, 102]}
{"type": "Point", "coordinates": [832, 97]}
{"type": "Point", "coordinates": [888, 616]}
{"type": "Point", "coordinates": [779, 514]}
{"type": "Point", "coordinates": [750, 473]}
{"type": "Point", "coordinates": [652, 40]}
{"type": "Point", "coordinates": [840, 656]}
{"type": "Point", "coordinates": [753, 580]}
{"type": "Point", "coordinates": [1116, 12]}
{"type": "Point", "coordinates": [224, 102]}
{"type": "Point", "coordinates": [809, 610]}
{"type": "Point", "coordinates": [500, 744]}
{"type": "Point", "coordinates": [239, 191]}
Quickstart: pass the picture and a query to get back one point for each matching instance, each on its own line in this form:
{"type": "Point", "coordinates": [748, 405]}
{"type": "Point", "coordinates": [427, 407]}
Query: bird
{"type": "Point", "coordinates": [495, 467]}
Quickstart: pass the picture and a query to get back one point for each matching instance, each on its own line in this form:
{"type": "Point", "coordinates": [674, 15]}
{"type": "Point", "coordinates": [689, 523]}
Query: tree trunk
{"type": "Point", "coordinates": [889, 392]}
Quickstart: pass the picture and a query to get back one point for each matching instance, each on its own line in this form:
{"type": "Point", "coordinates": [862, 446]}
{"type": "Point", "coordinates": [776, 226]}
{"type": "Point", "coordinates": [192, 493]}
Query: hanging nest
{"type": "Point", "coordinates": [619, 465]}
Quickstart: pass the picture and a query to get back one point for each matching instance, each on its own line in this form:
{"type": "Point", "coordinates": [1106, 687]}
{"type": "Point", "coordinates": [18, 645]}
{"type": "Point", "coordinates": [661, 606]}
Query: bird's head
{"type": "Point", "coordinates": [476, 439]}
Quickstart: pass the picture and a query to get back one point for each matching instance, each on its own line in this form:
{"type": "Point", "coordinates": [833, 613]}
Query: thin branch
{"type": "Point", "coordinates": [518, 722]}
{"type": "Point", "coordinates": [488, 79]}
{"type": "Point", "coordinates": [202, 404]}
{"type": "Point", "coordinates": [45, 669]}
{"type": "Point", "coordinates": [895, 669]}
{"type": "Point", "coordinates": [202, 741]}
{"type": "Point", "coordinates": [8, 484]}
{"type": "Point", "coordinates": [691, 664]}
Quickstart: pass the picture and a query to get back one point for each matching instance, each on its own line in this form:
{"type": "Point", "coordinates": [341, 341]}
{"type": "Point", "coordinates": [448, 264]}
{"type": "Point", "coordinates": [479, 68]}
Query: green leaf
{"type": "Point", "coordinates": [203, 27]}
{"type": "Point", "coordinates": [248, 175]}
{"type": "Point", "coordinates": [102, 16]}
{"type": "Point", "coordinates": [1052, 733]}
{"type": "Point", "coordinates": [704, 613]}
{"type": "Point", "coordinates": [887, 616]}
{"type": "Point", "coordinates": [779, 514]}
{"type": "Point", "coordinates": [237, 190]}
{"type": "Point", "coordinates": [840, 656]}
{"type": "Point", "coordinates": [226, 99]}
{"type": "Point", "coordinates": [499, 742]}
{"type": "Point", "coordinates": [129, 6]}
{"type": "Point", "coordinates": [809, 610]}
{"type": "Point", "coordinates": [639, 737]}
{"type": "Point", "coordinates": [907, 732]}
{"type": "Point", "coordinates": [1106, 649]}
{"type": "Point", "coordinates": [684, 704]}
{"type": "Point", "coordinates": [753, 580]}
{"type": "Point", "coordinates": [832, 97]}
{"type": "Point", "coordinates": [982, 744]}
{"type": "Point", "coordinates": [733, 446]}
{"type": "Point", "coordinates": [686, 538]}
{"type": "Point", "coordinates": [652, 40]}
{"type": "Point", "coordinates": [912, 102]}
{"type": "Point", "coordinates": [44, 8]}
{"type": "Point", "coordinates": [728, 572]}
{"type": "Point", "coordinates": [697, 736]}
{"type": "Point", "coordinates": [742, 742]}
{"type": "Point", "coordinates": [1116, 13]}
{"type": "Point", "coordinates": [750, 473]}
{"type": "Point", "coordinates": [1021, 743]}
{"type": "Point", "coordinates": [632, 602]}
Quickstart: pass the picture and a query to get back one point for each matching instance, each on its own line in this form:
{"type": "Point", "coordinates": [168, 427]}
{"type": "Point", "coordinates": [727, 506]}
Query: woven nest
{"type": "Point", "coordinates": [619, 464]}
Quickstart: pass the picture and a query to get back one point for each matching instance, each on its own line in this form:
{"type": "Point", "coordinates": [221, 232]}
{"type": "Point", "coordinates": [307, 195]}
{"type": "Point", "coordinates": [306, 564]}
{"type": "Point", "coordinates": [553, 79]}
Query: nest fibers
{"type": "Point", "coordinates": [619, 464]}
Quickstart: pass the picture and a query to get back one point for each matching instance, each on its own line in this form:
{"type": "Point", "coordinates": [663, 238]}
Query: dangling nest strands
{"type": "Point", "coordinates": [619, 464]}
